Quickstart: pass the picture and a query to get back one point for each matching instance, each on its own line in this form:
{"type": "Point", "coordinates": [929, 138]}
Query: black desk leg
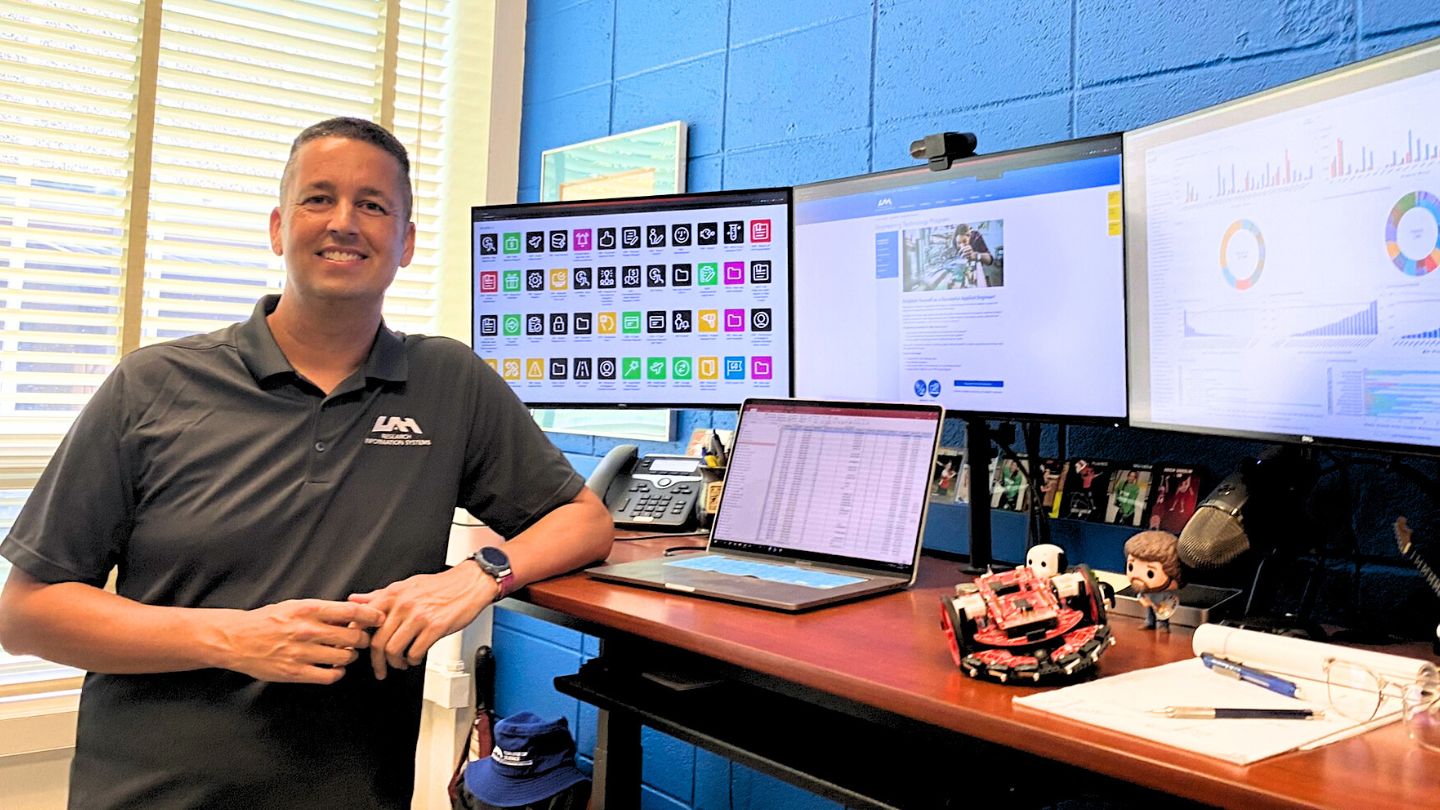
{"type": "Point", "coordinates": [617, 762]}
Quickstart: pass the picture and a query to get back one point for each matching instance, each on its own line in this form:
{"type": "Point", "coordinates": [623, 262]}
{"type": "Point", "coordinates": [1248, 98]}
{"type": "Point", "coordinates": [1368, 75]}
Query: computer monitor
{"type": "Point", "coordinates": [1282, 252]}
{"type": "Point", "coordinates": [668, 301]}
{"type": "Point", "coordinates": [993, 288]}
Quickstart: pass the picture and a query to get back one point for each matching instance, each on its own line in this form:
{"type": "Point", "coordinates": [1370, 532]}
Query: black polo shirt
{"type": "Point", "coordinates": [214, 476]}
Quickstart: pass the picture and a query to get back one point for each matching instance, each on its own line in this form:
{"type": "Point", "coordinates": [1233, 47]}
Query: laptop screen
{"type": "Point", "coordinates": [836, 482]}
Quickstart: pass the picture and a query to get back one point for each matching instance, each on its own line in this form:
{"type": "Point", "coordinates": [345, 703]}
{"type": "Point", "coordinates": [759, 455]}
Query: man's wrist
{"type": "Point", "coordinates": [495, 564]}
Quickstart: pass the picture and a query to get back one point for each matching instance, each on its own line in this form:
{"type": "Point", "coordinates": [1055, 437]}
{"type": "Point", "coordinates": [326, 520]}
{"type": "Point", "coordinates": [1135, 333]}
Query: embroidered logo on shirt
{"type": "Point", "coordinates": [397, 430]}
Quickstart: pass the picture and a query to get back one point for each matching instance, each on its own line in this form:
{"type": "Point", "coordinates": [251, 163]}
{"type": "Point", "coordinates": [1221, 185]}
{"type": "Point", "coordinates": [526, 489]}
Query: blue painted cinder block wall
{"type": "Point", "coordinates": [779, 92]}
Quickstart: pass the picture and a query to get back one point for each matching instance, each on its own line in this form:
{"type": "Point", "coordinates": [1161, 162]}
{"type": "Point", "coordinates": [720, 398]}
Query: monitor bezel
{"type": "Point", "coordinates": [967, 167]}
{"type": "Point", "coordinates": [1351, 78]}
{"type": "Point", "coordinates": [670, 202]}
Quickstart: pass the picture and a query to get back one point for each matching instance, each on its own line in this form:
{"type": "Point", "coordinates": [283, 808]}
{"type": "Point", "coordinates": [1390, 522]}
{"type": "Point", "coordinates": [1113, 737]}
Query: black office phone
{"type": "Point", "coordinates": [660, 492]}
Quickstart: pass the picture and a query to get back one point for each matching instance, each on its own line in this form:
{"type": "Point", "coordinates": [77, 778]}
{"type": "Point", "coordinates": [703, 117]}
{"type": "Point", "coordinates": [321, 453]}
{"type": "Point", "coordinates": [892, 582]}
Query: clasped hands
{"type": "Point", "coordinates": [313, 640]}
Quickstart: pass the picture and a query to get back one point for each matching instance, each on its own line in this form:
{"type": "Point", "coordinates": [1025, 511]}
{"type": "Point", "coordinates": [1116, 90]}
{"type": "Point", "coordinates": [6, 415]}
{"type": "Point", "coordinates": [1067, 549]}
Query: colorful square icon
{"type": "Point", "coordinates": [559, 278]}
{"type": "Point", "coordinates": [605, 323]}
{"type": "Point", "coordinates": [708, 368]}
{"type": "Point", "coordinates": [512, 281]}
{"type": "Point", "coordinates": [759, 230]}
{"type": "Point", "coordinates": [734, 320]}
{"type": "Point", "coordinates": [682, 368]}
{"type": "Point", "coordinates": [492, 363]}
{"type": "Point", "coordinates": [510, 368]}
{"type": "Point", "coordinates": [632, 368]}
{"type": "Point", "coordinates": [489, 282]}
{"type": "Point", "coordinates": [535, 368]}
{"type": "Point", "coordinates": [761, 368]}
{"type": "Point", "coordinates": [655, 368]}
{"type": "Point", "coordinates": [734, 272]}
{"type": "Point", "coordinates": [510, 243]}
{"type": "Point", "coordinates": [580, 238]}
{"type": "Point", "coordinates": [631, 323]}
{"type": "Point", "coordinates": [707, 274]}
{"type": "Point", "coordinates": [734, 368]}
{"type": "Point", "coordinates": [708, 320]}
{"type": "Point", "coordinates": [510, 324]}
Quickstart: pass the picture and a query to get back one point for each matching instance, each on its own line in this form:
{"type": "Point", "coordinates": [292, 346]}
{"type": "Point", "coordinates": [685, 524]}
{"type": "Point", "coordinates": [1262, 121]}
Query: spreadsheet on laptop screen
{"type": "Point", "coordinates": [836, 481]}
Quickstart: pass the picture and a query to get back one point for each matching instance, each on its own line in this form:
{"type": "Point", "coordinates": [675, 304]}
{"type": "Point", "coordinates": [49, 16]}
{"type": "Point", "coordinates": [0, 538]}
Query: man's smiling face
{"type": "Point", "coordinates": [341, 224]}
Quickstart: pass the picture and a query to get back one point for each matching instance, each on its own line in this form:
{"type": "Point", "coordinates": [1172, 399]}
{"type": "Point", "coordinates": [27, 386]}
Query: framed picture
{"type": "Point", "coordinates": [631, 164]}
{"type": "Point", "coordinates": [947, 479]}
{"type": "Point", "coordinates": [638, 163]}
{"type": "Point", "coordinates": [1129, 493]}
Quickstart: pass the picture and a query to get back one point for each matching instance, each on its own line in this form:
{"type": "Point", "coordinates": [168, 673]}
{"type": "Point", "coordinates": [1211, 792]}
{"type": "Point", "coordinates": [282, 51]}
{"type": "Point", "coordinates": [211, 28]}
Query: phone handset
{"type": "Point", "coordinates": [619, 460]}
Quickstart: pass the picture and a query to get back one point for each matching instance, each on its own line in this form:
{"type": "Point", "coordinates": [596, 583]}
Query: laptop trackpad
{"type": "Point", "coordinates": [784, 574]}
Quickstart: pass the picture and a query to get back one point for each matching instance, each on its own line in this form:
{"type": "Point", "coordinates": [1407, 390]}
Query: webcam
{"type": "Point", "coordinates": [943, 148]}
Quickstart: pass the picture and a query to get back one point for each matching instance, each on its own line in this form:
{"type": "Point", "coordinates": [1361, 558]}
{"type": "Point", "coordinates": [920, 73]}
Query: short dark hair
{"type": "Point", "coordinates": [355, 129]}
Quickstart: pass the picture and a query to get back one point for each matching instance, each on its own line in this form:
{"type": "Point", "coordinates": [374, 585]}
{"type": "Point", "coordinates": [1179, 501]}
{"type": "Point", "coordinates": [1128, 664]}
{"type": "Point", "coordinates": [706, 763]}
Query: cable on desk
{"type": "Point", "coordinates": [675, 550]}
{"type": "Point", "coordinates": [700, 534]}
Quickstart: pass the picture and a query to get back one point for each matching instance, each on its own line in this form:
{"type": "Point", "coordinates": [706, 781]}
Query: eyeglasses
{"type": "Point", "coordinates": [1358, 693]}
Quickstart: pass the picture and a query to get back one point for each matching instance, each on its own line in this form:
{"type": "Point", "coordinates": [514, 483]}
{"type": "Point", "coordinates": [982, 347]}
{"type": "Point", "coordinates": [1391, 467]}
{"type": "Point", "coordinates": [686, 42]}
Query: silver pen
{"type": "Point", "coordinates": [1219, 713]}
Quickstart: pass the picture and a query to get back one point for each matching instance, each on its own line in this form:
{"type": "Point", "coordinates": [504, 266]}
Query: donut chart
{"type": "Point", "coordinates": [1242, 265]}
{"type": "Point", "coordinates": [1412, 234]}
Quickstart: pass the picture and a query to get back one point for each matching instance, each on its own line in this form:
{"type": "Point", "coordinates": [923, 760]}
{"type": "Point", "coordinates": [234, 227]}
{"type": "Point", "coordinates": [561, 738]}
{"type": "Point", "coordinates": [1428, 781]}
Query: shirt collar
{"type": "Point", "coordinates": [262, 355]}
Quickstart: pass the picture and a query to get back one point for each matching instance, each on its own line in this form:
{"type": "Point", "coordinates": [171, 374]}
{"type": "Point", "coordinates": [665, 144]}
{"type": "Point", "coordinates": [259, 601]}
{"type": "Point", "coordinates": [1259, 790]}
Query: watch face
{"type": "Point", "coordinates": [492, 556]}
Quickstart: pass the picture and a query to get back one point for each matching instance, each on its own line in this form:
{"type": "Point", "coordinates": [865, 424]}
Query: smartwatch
{"type": "Point", "coordinates": [494, 562]}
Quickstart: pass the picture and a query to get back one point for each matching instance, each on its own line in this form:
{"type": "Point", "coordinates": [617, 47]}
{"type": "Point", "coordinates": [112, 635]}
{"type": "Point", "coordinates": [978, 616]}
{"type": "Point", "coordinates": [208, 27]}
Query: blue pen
{"type": "Point", "coordinates": [1241, 672]}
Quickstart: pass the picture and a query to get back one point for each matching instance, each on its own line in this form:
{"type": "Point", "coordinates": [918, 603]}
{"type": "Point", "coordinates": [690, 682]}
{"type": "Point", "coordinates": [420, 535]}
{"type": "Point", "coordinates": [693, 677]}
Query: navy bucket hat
{"type": "Point", "coordinates": [533, 760]}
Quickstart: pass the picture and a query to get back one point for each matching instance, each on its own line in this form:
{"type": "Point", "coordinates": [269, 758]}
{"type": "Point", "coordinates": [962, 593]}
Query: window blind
{"type": "Point", "coordinates": [81, 136]}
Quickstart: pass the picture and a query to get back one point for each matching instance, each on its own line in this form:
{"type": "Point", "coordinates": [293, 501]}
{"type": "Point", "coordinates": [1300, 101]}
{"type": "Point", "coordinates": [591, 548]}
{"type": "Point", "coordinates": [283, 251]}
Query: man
{"type": "Point", "coordinates": [277, 498]}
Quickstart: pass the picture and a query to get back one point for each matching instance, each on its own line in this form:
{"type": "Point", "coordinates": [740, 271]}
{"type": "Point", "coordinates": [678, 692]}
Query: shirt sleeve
{"type": "Point", "coordinates": [514, 475]}
{"type": "Point", "coordinates": [75, 521]}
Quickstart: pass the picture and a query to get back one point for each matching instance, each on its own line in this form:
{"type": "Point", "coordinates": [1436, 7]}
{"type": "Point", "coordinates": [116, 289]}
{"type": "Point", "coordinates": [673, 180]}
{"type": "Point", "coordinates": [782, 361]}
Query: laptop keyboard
{"type": "Point", "coordinates": [786, 574]}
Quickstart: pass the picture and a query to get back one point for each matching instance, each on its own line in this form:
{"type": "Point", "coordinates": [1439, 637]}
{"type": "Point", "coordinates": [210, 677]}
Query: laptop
{"type": "Point", "coordinates": [824, 502]}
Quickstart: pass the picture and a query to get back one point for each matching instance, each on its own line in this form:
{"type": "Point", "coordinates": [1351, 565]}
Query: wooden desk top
{"type": "Point", "coordinates": [889, 652]}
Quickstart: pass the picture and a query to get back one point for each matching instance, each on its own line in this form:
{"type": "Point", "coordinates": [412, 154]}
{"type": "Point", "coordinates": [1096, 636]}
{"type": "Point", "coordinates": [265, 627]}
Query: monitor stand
{"type": "Point", "coordinates": [977, 443]}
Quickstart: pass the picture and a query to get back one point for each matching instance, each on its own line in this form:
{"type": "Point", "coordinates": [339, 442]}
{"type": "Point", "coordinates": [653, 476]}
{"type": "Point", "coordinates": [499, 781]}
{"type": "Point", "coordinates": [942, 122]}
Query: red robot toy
{"type": "Point", "coordinates": [1035, 623]}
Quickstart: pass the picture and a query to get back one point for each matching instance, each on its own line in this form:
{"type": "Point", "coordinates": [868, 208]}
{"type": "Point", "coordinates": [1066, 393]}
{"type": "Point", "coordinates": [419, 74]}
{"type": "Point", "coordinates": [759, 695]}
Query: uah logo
{"type": "Point", "coordinates": [396, 430]}
{"type": "Point", "coordinates": [397, 424]}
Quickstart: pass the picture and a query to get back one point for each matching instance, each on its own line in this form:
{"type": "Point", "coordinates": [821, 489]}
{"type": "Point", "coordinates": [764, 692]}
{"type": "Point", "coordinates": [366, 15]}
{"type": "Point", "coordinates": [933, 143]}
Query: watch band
{"type": "Point", "coordinates": [494, 562]}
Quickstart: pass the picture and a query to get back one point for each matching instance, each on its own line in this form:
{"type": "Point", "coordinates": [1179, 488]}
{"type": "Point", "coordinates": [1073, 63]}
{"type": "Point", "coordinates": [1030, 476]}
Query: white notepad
{"type": "Point", "coordinates": [1123, 702]}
